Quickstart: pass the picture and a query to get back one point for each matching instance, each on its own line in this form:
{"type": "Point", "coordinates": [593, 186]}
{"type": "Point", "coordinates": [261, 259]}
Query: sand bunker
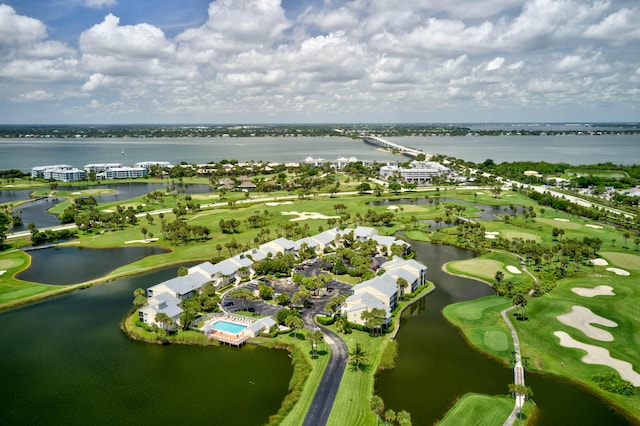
{"type": "Point", "coordinates": [392, 208]}
{"type": "Point", "coordinates": [479, 193]}
{"type": "Point", "coordinates": [491, 234]}
{"type": "Point", "coordinates": [513, 269]}
{"type": "Point", "coordinates": [600, 356]}
{"type": "Point", "coordinates": [619, 271]}
{"type": "Point", "coordinates": [76, 193]}
{"type": "Point", "coordinates": [559, 219]}
{"type": "Point", "coordinates": [308, 215]}
{"type": "Point", "coordinates": [588, 225]}
{"type": "Point", "coordinates": [148, 240]}
{"type": "Point", "coordinates": [277, 204]}
{"type": "Point", "coordinates": [582, 318]}
{"type": "Point", "coordinates": [2, 272]}
{"type": "Point", "coordinates": [599, 262]}
{"type": "Point", "coordinates": [601, 290]}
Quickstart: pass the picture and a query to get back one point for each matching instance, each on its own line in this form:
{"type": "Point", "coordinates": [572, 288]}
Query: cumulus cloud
{"type": "Point", "coordinates": [335, 59]}
{"type": "Point", "coordinates": [619, 28]}
{"type": "Point", "coordinates": [18, 29]}
{"type": "Point", "coordinates": [34, 96]}
{"type": "Point", "coordinates": [100, 4]}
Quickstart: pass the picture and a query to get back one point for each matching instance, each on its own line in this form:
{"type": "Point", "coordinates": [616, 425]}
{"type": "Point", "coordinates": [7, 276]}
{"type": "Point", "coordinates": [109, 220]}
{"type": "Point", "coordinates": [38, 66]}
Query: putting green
{"type": "Point", "coordinates": [496, 340]}
{"type": "Point", "coordinates": [623, 260]}
{"type": "Point", "coordinates": [9, 263]}
{"type": "Point", "coordinates": [510, 235]}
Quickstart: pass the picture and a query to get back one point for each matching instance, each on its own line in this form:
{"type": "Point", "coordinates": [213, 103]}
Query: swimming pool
{"type": "Point", "coordinates": [229, 327]}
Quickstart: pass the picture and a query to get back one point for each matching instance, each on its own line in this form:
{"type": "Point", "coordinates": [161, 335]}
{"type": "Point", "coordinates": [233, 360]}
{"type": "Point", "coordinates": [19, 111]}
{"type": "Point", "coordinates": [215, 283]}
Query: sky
{"type": "Point", "coordinates": [318, 61]}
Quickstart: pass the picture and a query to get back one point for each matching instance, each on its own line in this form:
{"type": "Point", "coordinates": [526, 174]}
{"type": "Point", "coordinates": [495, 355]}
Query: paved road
{"type": "Point", "coordinates": [322, 403]}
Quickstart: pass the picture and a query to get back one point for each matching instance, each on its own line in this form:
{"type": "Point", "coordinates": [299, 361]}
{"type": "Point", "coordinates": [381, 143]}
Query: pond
{"type": "Point", "coordinates": [436, 366]}
{"type": "Point", "coordinates": [11, 195]}
{"type": "Point", "coordinates": [36, 212]}
{"type": "Point", "coordinates": [72, 264]}
{"type": "Point", "coordinates": [65, 361]}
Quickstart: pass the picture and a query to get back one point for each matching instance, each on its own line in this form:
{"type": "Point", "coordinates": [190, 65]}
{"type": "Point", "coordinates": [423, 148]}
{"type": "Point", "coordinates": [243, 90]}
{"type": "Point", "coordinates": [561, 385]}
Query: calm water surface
{"type": "Point", "coordinates": [66, 362]}
{"type": "Point", "coordinates": [26, 153]}
{"type": "Point", "coordinates": [436, 366]}
{"type": "Point", "coordinates": [71, 265]}
{"type": "Point", "coordinates": [572, 149]}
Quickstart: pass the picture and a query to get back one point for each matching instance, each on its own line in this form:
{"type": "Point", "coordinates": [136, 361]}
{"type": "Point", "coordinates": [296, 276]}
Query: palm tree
{"type": "Point", "coordinates": [377, 406]}
{"type": "Point", "coordinates": [499, 277]}
{"type": "Point", "coordinates": [402, 284]}
{"type": "Point", "coordinates": [390, 416]}
{"type": "Point", "coordinates": [404, 418]}
{"type": "Point", "coordinates": [295, 323]}
{"type": "Point", "coordinates": [317, 337]}
{"type": "Point", "coordinates": [358, 356]}
{"type": "Point", "coordinates": [164, 320]}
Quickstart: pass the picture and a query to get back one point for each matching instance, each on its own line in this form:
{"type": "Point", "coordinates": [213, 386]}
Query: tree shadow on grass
{"type": "Point", "coordinates": [362, 367]}
{"type": "Point", "coordinates": [299, 336]}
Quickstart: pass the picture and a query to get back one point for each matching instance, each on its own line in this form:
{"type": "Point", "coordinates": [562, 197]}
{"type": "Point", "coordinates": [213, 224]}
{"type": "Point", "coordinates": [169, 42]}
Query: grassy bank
{"type": "Point", "coordinates": [482, 410]}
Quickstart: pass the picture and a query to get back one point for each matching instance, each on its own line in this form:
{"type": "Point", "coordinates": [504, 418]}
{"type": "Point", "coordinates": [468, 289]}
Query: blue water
{"type": "Point", "coordinates": [229, 327]}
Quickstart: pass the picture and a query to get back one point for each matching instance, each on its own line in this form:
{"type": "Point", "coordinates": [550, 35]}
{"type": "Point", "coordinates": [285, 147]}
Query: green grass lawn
{"type": "Point", "coordinates": [479, 410]}
{"type": "Point", "coordinates": [480, 322]}
{"type": "Point", "coordinates": [351, 406]}
{"type": "Point", "coordinates": [486, 266]}
{"type": "Point", "coordinates": [482, 325]}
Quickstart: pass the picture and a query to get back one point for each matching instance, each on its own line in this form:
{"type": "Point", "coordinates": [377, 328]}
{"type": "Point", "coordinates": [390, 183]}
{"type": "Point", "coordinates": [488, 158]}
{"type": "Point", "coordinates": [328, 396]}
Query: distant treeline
{"type": "Point", "coordinates": [289, 130]}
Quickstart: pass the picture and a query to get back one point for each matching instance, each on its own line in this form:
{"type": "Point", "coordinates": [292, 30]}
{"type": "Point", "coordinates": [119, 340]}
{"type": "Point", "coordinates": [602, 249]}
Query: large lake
{"type": "Point", "coordinates": [26, 153]}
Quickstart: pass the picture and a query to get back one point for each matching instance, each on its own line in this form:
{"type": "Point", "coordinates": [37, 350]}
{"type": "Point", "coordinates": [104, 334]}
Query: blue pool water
{"type": "Point", "coordinates": [229, 327]}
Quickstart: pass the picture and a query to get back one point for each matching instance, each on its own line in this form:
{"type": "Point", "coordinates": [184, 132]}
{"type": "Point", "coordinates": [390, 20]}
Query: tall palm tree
{"type": "Point", "coordinates": [358, 356]}
{"type": "Point", "coordinates": [377, 406]}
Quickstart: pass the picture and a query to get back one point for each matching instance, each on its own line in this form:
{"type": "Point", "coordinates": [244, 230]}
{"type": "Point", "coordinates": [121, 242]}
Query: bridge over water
{"type": "Point", "coordinates": [409, 152]}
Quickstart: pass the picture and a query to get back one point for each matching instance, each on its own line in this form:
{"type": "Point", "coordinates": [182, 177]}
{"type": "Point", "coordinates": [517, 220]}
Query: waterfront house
{"type": "Point", "coordinates": [382, 292]}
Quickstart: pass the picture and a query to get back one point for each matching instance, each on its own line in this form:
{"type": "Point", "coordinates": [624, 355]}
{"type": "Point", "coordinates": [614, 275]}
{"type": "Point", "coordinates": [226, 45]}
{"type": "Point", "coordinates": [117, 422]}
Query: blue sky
{"type": "Point", "coordinates": [266, 61]}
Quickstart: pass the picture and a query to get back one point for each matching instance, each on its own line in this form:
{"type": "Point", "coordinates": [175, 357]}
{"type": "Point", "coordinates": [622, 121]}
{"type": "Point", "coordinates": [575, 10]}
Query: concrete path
{"type": "Point", "coordinates": [518, 369]}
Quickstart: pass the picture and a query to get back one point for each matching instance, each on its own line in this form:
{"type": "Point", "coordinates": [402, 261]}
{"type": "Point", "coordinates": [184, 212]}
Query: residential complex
{"type": "Point", "coordinates": [66, 173]}
{"type": "Point", "coordinates": [418, 172]}
{"type": "Point", "coordinates": [380, 292]}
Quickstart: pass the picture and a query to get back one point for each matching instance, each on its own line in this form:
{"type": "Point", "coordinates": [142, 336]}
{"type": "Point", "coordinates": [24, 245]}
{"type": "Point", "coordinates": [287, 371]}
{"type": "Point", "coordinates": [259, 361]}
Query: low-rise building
{"type": "Point", "coordinates": [418, 171]}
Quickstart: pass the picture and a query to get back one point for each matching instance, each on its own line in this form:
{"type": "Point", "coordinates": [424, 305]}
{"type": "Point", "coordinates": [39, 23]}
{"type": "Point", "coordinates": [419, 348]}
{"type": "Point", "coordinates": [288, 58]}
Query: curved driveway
{"type": "Point", "coordinates": [322, 403]}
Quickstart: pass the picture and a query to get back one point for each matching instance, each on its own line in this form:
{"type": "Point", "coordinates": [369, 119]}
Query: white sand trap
{"type": "Point", "coordinates": [148, 240]}
{"type": "Point", "coordinates": [490, 236]}
{"type": "Point", "coordinates": [492, 233]}
{"type": "Point", "coordinates": [108, 211]}
{"type": "Point", "coordinates": [588, 225]}
{"type": "Point", "coordinates": [599, 262]}
{"type": "Point", "coordinates": [308, 215]}
{"type": "Point", "coordinates": [619, 271]}
{"type": "Point", "coordinates": [513, 269]}
{"type": "Point", "coordinates": [601, 290]}
{"type": "Point", "coordinates": [392, 208]}
{"type": "Point", "coordinates": [277, 204]}
{"type": "Point", "coordinates": [582, 318]}
{"type": "Point", "coordinates": [479, 193]}
{"type": "Point", "coordinates": [2, 272]}
{"type": "Point", "coordinates": [559, 219]}
{"type": "Point", "coordinates": [76, 193]}
{"type": "Point", "coordinates": [600, 356]}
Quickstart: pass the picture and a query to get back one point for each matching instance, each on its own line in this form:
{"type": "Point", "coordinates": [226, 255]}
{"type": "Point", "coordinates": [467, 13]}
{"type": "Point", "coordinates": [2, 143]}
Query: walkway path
{"type": "Point", "coordinates": [518, 369]}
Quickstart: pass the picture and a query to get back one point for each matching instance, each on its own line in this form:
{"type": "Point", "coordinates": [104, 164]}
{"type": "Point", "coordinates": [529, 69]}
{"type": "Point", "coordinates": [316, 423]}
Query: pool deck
{"type": "Point", "coordinates": [232, 339]}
